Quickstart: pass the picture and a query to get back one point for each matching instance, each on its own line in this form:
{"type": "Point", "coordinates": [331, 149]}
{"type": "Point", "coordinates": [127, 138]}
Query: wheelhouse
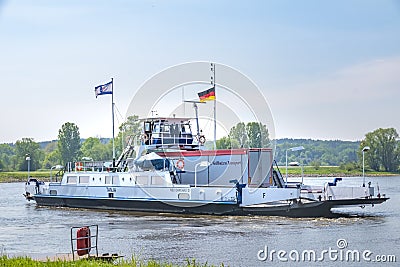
{"type": "Point", "coordinates": [165, 132]}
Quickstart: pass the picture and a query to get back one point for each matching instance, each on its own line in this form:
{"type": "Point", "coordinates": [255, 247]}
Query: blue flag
{"type": "Point", "coordinates": [104, 89]}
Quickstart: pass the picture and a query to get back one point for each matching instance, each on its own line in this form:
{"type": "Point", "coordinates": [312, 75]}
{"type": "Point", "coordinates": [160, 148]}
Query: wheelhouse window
{"type": "Point", "coordinates": [165, 128]}
{"type": "Point", "coordinates": [147, 127]}
{"type": "Point", "coordinates": [185, 128]}
{"type": "Point", "coordinates": [156, 131]}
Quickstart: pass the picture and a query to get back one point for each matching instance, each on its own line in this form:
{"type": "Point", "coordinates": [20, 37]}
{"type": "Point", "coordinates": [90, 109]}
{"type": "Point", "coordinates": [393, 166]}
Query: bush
{"type": "Point", "coordinates": [316, 164]}
{"type": "Point", "coordinates": [349, 166]}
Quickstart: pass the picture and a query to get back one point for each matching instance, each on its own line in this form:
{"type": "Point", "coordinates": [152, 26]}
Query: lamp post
{"type": "Point", "coordinates": [297, 148]}
{"type": "Point", "coordinates": [28, 159]}
{"type": "Point", "coordinates": [302, 173]}
{"type": "Point", "coordinates": [202, 164]}
{"type": "Point", "coordinates": [366, 148]}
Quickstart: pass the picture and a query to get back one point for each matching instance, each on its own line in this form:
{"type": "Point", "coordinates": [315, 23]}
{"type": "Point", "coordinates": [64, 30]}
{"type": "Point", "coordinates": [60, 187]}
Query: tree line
{"type": "Point", "coordinates": [68, 147]}
{"type": "Point", "coordinates": [383, 153]}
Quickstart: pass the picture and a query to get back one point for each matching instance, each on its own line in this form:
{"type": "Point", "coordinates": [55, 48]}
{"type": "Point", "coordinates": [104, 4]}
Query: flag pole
{"type": "Point", "coordinates": [112, 111]}
{"type": "Point", "coordinates": [215, 108]}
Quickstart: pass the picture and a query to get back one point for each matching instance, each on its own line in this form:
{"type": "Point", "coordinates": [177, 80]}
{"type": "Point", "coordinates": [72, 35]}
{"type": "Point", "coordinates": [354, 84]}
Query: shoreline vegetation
{"type": "Point", "coordinates": [133, 262]}
{"type": "Point", "coordinates": [309, 171]}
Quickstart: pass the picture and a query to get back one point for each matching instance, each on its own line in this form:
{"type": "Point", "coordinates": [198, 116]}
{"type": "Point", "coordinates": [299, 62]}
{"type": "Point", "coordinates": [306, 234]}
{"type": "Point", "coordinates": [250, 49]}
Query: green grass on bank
{"type": "Point", "coordinates": [26, 261]}
{"type": "Point", "coordinates": [322, 171]}
{"type": "Point", "coordinates": [329, 171]}
{"type": "Point", "coordinates": [18, 176]}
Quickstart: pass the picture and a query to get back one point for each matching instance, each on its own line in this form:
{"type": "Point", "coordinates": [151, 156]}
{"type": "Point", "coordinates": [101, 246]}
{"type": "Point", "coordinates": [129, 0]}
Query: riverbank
{"type": "Point", "coordinates": [21, 176]}
{"type": "Point", "coordinates": [26, 261]}
{"type": "Point", "coordinates": [308, 171]}
{"type": "Point", "coordinates": [331, 171]}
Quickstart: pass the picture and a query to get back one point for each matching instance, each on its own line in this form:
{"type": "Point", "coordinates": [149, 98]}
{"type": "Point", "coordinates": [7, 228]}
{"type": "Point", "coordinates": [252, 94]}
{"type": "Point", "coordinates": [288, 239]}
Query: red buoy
{"type": "Point", "coordinates": [83, 241]}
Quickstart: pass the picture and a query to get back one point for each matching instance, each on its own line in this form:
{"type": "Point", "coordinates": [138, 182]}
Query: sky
{"type": "Point", "coordinates": [328, 69]}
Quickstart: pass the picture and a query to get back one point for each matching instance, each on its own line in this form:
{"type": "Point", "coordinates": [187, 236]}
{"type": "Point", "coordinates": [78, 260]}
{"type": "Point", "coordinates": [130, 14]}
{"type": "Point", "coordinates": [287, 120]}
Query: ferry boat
{"type": "Point", "coordinates": [173, 174]}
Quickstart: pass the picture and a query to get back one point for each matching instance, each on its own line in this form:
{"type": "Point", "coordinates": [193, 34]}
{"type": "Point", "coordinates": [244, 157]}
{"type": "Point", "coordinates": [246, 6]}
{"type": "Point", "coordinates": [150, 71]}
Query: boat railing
{"type": "Point", "coordinates": [277, 176]}
{"type": "Point", "coordinates": [85, 166]}
{"type": "Point", "coordinates": [126, 153]}
{"type": "Point", "coordinates": [58, 175]}
{"type": "Point", "coordinates": [168, 139]}
{"type": "Point", "coordinates": [103, 166]}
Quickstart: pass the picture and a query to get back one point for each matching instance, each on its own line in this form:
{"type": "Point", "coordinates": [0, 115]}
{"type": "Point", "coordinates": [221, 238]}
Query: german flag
{"type": "Point", "coordinates": [207, 95]}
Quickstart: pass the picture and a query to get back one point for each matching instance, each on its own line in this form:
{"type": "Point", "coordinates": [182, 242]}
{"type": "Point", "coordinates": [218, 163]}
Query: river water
{"type": "Point", "coordinates": [26, 229]}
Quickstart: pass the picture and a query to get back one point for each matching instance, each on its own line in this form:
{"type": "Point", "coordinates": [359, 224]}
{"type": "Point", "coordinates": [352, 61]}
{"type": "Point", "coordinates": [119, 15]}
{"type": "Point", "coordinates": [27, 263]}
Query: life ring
{"type": "Point", "coordinates": [144, 138]}
{"type": "Point", "coordinates": [180, 164]}
{"type": "Point", "coordinates": [83, 243]}
{"type": "Point", "coordinates": [202, 139]}
{"type": "Point", "coordinates": [79, 166]}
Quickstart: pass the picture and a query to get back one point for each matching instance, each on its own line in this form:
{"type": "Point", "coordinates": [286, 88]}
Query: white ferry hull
{"type": "Point", "coordinates": [289, 209]}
